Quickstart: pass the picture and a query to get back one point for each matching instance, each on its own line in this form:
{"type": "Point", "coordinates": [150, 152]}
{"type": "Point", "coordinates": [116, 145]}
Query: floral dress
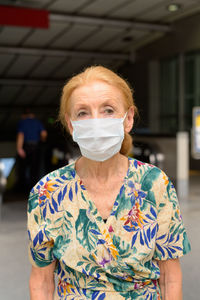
{"type": "Point", "coordinates": [113, 260]}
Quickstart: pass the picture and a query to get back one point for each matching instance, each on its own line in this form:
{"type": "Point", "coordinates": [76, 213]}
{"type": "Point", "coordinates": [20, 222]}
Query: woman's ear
{"type": "Point", "coordinates": [128, 124]}
{"type": "Point", "coordinates": [69, 124]}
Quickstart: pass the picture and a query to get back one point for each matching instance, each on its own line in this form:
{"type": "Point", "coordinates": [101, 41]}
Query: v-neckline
{"type": "Point", "coordinates": [92, 204]}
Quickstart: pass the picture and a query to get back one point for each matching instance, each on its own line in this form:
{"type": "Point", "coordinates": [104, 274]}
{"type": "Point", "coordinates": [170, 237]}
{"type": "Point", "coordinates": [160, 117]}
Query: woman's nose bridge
{"type": "Point", "coordinates": [95, 114]}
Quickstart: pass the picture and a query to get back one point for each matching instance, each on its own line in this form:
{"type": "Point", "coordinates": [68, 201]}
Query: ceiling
{"type": "Point", "coordinates": [35, 62]}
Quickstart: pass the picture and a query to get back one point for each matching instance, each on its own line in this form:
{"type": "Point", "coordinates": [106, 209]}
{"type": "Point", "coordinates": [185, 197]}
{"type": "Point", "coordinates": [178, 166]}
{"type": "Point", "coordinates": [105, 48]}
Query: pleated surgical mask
{"type": "Point", "coordinates": [99, 139]}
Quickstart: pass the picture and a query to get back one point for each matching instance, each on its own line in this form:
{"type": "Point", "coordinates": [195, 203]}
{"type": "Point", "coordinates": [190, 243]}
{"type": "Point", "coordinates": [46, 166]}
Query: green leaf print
{"type": "Point", "coordinates": [172, 228]}
{"type": "Point", "coordinates": [83, 226]}
{"type": "Point", "coordinates": [124, 204]}
{"type": "Point", "coordinates": [32, 202]}
{"type": "Point", "coordinates": [121, 285]}
{"type": "Point", "coordinates": [87, 267]}
{"type": "Point", "coordinates": [42, 260]}
{"type": "Point", "coordinates": [83, 197]}
{"type": "Point", "coordinates": [149, 178]}
{"type": "Point", "coordinates": [58, 220]}
{"type": "Point", "coordinates": [68, 214]}
{"type": "Point", "coordinates": [60, 245]}
{"type": "Point", "coordinates": [92, 270]}
{"type": "Point", "coordinates": [48, 221]}
{"type": "Point", "coordinates": [131, 174]}
{"type": "Point", "coordinates": [80, 263]}
{"type": "Point", "coordinates": [123, 248]}
{"type": "Point", "coordinates": [186, 244]}
{"type": "Point", "coordinates": [36, 218]}
{"type": "Point", "coordinates": [147, 183]}
{"type": "Point", "coordinates": [177, 229]}
{"type": "Point", "coordinates": [57, 245]}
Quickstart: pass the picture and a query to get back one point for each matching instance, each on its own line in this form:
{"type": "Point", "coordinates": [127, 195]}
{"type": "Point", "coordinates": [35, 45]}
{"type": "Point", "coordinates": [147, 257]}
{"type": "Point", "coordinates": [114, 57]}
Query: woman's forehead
{"type": "Point", "coordinates": [97, 89]}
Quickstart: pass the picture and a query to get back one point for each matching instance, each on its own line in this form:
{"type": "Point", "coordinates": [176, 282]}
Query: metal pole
{"type": "Point", "coordinates": [63, 53]}
{"type": "Point", "coordinates": [181, 93]}
{"type": "Point", "coordinates": [31, 82]}
{"type": "Point", "coordinates": [63, 18]}
{"type": "Point", "coordinates": [154, 95]}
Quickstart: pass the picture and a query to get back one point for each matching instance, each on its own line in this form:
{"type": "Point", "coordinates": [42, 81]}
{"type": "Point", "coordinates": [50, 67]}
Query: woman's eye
{"type": "Point", "coordinates": [81, 113]}
{"type": "Point", "coordinates": [109, 111]}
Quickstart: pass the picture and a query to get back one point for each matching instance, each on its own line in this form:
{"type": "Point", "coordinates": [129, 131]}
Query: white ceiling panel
{"type": "Point", "coordinates": [71, 67]}
{"type": "Point", "coordinates": [136, 34]}
{"type": "Point", "coordinates": [66, 6]}
{"type": "Point", "coordinates": [7, 94]}
{"type": "Point", "coordinates": [22, 66]}
{"type": "Point", "coordinates": [117, 63]}
{"type": "Point", "coordinates": [49, 95]}
{"type": "Point", "coordinates": [102, 7]}
{"type": "Point", "coordinates": [159, 12]}
{"type": "Point", "coordinates": [102, 61]}
{"type": "Point", "coordinates": [135, 7]}
{"type": "Point", "coordinates": [73, 36]}
{"type": "Point", "coordinates": [5, 59]}
{"type": "Point", "coordinates": [32, 3]}
{"type": "Point", "coordinates": [155, 14]}
{"type": "Point", "coordinates": [41, 37]}
{"type": "Point", "coordinates": [47, 66]}
{"type": "Point", "coordinates": [100, 38]}
{"type": "Point", "coordinates": [116, 45]}
{"type": "Point", "coordinates": [119, 45]}
{"type": "Point", "coordinates": [12, 36]}
{"type": "Point", "coordinates": [28, 95]}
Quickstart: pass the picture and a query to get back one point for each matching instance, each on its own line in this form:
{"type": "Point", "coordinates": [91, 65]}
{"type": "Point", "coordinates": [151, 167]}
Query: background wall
{"type": "Point", "coordinates": [184, 38]}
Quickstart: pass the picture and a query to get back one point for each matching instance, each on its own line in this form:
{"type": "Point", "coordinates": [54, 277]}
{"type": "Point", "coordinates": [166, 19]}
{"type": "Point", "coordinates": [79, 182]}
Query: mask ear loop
{"type": "Point", "coordinates": [125, 116]}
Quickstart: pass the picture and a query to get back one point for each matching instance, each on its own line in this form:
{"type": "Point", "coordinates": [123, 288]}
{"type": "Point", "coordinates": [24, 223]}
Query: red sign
{"type": "Point", "coordinates": [25, 17]}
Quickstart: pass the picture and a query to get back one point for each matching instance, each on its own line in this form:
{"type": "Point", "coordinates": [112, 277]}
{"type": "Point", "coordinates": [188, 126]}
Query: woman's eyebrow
{"type": "Point", "coordinates": [80, 106]}
{"type": "Point", "coordinates": [109, 102]}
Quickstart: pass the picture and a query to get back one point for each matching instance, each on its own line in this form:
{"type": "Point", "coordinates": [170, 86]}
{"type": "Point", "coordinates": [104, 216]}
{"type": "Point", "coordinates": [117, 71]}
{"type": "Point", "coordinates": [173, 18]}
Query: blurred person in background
{"type": "Point", "coordinates": [30, 133]}
{"type": "Point", "coordinates": [108, 225]}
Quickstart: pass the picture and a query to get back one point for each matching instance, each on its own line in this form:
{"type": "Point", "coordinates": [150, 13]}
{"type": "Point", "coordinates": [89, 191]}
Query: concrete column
{"type": "Point", "coordinates": [181, 124]}
{"type": "Point", "coordinates": [154, 96]}
{"type": "Point", "coordinates": [182, 173]}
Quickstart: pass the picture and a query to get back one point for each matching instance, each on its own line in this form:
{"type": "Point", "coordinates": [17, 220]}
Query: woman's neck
{"type": "Point", "coordinates": [115, 166]}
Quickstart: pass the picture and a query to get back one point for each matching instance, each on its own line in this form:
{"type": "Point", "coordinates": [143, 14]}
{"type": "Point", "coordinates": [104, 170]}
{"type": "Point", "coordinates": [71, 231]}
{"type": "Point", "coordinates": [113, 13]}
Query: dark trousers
{"type": "Point", "coordinates": [28, 167]}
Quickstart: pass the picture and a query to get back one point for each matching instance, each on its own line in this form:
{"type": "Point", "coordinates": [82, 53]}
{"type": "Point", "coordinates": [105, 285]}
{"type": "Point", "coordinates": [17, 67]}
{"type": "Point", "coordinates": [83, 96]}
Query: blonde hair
{"type": "Point", "coordinates": [91, 74]}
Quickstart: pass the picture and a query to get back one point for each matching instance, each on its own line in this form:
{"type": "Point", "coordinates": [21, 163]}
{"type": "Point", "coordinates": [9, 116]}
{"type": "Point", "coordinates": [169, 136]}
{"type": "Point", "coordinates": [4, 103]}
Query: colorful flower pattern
{"type": "Point", "coordinates": [112, 260]}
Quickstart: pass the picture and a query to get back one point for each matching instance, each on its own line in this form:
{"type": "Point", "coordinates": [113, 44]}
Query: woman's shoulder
{"type": "Point", "coordinates": [56, 178]}
{"type": "Point", "coordinates": [143, 167]}
{"type": "Point", "coordinates": [152, 181]}
{"type": "Point", "coordinates": [145, 173]}
{"type": "Point", "coordinates": [47, 194]}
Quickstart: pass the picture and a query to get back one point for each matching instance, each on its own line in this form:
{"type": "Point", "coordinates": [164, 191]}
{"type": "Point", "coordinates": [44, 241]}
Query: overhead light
{"type": "Point", "coordinates": [173, 7]}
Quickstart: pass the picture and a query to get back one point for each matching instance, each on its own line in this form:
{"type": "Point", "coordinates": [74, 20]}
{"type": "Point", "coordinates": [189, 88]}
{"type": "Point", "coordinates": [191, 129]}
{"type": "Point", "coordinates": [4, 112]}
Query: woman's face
{"type": "Point", "coordinates": [97, 100]}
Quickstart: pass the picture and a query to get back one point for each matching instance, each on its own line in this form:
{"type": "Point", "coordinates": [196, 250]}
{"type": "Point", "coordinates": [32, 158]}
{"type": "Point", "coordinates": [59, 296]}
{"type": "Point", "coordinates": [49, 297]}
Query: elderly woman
{"type": "Point", "coordinates": [109, 226]}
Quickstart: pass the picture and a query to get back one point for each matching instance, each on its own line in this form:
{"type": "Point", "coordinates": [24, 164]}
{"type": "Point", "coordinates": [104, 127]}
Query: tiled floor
{"type": "Point", "coordinates": [15, 268]}
{"type": "Point", "coordinates": [14, 265]}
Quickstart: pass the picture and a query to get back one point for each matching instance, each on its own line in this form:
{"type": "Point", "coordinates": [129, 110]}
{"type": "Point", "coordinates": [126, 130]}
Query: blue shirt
{"type": "Point", "coordinates": [31, 128]}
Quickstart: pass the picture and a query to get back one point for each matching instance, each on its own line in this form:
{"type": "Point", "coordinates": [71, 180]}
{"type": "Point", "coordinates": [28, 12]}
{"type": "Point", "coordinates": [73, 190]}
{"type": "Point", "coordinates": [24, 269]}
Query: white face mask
{"type": "Point", "coordinates": [99, 139]}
